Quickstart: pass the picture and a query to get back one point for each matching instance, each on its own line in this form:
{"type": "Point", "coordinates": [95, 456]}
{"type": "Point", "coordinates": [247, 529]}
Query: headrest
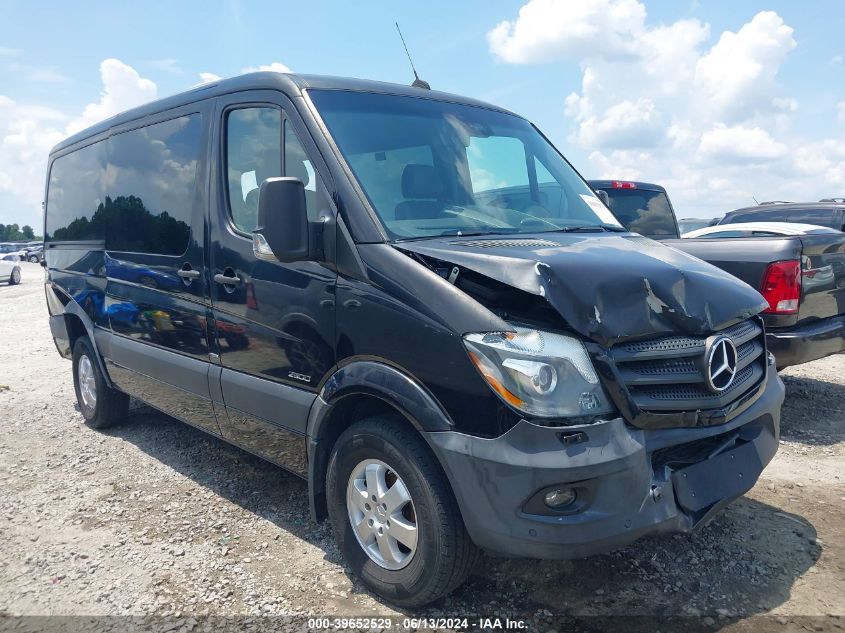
{"type": "Point", "coordinates": [421, 181]}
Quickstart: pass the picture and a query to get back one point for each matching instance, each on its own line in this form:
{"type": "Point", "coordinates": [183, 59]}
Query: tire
{"type": "Point", "coordinates": [107, 406]}
{"type": "Point", "coordinates": [443, 555]}
{"type": "Point", "coordinates": [33, 259]}
{"type": "Point", "coordinates": [15, 277]}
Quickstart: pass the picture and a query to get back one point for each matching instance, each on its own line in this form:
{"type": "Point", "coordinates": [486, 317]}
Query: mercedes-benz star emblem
{"type": "Point", "coordinates": [720, 361]}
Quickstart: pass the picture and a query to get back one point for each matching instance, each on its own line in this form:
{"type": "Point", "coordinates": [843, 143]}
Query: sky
{"type": "Point", "coordinates": [720, 101]}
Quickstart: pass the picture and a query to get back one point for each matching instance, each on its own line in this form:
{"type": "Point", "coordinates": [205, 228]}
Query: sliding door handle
{"type": "Point", "coordinates": [226, 280]}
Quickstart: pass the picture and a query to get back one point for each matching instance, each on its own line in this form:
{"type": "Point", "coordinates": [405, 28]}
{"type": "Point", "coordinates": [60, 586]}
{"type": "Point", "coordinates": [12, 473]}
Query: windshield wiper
{"type": "Point", "coordinates": [593, 228]}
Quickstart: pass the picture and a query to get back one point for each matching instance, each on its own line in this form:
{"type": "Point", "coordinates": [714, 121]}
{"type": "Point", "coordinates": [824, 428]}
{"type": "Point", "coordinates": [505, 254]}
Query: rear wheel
{"type": "Point", "coordinates": [15, 277]}
{"type": "Point", "coordinates": [101, 406]}
{"type": "Point", "coordinates": [394, 516]}
{"type": "Point", "coordinates": [33, 259]}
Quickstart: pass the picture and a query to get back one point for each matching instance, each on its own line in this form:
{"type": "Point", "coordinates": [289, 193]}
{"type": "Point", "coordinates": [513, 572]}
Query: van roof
{"type": "Point", "coordinates": [288, 83]}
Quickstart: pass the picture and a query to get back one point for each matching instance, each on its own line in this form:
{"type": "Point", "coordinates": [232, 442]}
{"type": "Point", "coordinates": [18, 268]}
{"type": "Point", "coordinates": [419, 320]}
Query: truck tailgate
{"type": "Point", "coordinates": [823, 277]}
{"type": "Point", "coordinates": [823, 268]}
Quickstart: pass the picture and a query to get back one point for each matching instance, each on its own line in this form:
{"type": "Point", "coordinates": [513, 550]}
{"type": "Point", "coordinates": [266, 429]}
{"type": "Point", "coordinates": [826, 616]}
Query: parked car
{"type": "Point", "coordinates": [12, 251]}
{"type": "Point", "coordinates": [10, 272]}
{"type": "Point", "coordinates": [685, 225]}
{"type": "Point", "coordinates": [804, 319]}
{"type": "Point", "coordinates": [830, 214]}
{"type": "Point", "coordinates": [34, 254]}
{"type": "Point", "coordinates": [452, 362]}
{"type": "Point", "coordinates": [759, 229]}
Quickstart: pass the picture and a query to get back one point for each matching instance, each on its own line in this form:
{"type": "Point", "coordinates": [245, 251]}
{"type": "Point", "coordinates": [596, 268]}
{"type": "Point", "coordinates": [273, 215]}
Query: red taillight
{"type": "Point", "coordinates": [782, 287]}
{"type": "Point", "coordinates": [622, 184]}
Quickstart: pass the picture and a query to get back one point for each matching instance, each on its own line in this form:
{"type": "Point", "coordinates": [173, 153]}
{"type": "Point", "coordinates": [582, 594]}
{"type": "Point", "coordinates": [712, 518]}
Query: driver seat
{"type": "Point", "coordinates": [423, 190]}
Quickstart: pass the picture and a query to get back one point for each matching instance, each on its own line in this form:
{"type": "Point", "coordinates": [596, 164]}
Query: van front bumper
{"type": "Point", "coordinates": [628, 482]}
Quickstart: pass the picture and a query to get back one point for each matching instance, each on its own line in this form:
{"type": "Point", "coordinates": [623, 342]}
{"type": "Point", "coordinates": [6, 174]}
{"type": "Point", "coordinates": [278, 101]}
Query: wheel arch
{"type": "Point", "coordinates": [79, 324]}
{"type": "Point", "coordinates": [354, 392]}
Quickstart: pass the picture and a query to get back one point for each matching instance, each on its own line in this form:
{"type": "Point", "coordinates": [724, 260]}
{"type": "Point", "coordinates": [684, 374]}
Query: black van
{"type": "Point", "coordinates": [411, 300]}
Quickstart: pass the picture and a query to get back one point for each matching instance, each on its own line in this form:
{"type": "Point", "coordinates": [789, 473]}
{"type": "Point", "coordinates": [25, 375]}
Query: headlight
{"type": "Point", "coordinates": [540, 373]}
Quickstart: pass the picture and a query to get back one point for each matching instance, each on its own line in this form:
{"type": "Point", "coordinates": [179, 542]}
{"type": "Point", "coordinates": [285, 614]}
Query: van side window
{"type": "Point", "coordinates": [253, 154]}
{"type": "Point", "coordinates": [152, 187]}
{"type": "Point", "coordinates": [75, 193]}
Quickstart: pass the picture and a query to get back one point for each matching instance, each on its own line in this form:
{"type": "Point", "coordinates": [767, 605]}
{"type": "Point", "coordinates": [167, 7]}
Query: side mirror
{"type": "Point", "coordinates": [283, 229]}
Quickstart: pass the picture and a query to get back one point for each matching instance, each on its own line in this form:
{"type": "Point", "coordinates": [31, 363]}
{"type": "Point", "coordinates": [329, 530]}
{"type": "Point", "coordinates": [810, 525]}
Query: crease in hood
{"type": "Point", "coordinates": [608, 287]}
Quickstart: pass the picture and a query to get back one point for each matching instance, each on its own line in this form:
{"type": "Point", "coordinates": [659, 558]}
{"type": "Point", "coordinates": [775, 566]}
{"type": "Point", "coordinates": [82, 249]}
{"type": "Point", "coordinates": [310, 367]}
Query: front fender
{"type": "Point", "coordinates": [373, 378]}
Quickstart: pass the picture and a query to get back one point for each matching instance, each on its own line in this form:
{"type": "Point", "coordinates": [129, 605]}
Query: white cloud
{"type": "Point", "coordinates": [546, 30]}
{"type": "Point", "coordinates": [738, 73]}
{"type": "Point", "coordinates": [168, 64]}
{"type": "Point", "coordinates": [40, 74]}
{"type": "Point", "coordinates": [624, 124]}
{"type": "Point", "coordinates": [275, 67]}
{"type": "Point", "coordinates": [28, 132]}
{"type": "Point", "coordinates": [6, 51]}
{"type": "Point", "coordinates": [836, 59]}
{"type": "Point", "coordinates": [737, 144]}
{"type": "Point", "coordinates": [207, 78]}
{"type": "Point", "coordinates": [48, 75]}
{"type": "Point", "coordinates": [123, 88]}
{"type": "Point", "coordinates": [673, 103]}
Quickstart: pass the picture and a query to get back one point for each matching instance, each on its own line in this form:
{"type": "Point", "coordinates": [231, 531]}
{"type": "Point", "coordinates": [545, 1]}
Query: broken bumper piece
{"type": "Point", "coordinates": [619, 482]}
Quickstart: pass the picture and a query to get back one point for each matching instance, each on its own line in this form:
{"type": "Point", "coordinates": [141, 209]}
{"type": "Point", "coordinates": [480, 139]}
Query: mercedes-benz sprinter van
{"type": "Point", "coordinates": [413, 301]}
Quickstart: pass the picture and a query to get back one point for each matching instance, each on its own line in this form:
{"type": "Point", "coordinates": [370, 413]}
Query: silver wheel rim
{"type": "Point", "coordinates": [87, 383]}
{"type": "Point", "coordinates": [382, 514]}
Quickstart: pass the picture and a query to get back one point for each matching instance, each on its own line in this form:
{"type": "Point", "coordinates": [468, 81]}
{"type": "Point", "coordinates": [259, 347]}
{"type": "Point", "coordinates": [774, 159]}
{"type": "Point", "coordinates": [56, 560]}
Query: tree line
{"type": "Point", "coordinates": [15, 233]}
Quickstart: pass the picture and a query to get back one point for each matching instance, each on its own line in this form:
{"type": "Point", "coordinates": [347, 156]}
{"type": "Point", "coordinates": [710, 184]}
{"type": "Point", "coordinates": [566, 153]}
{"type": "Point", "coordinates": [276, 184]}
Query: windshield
{"type": "Point", "coordinates": [436, 168]}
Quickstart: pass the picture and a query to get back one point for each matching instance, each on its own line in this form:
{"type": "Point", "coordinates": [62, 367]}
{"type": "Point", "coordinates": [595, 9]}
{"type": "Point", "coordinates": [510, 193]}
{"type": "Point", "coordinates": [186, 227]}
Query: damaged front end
{"type": "Point", "coordinates": [657, 329]}
{"type": "Point", "coordinates": [648, 315]}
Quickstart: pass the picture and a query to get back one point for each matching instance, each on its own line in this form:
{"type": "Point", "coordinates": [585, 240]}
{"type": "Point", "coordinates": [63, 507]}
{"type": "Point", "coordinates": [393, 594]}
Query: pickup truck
{"type": "Point", "coordinates": [802, 277]}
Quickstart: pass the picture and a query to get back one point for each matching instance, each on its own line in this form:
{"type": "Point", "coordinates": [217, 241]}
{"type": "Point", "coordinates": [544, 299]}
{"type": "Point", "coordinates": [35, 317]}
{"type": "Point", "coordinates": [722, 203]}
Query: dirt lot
{"type": "Point", "coordinates": [154, 517]}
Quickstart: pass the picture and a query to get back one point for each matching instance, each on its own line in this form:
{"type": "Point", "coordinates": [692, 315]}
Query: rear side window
{"type": "Point", "coordinates": [152, 186]}
{"type": "Point", "coordinates": [822, 217]}
{"type": "Point", "coordinates": [75, 195]}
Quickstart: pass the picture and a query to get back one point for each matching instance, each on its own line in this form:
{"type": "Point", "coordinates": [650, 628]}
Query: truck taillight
{"type": "Point", "coordinates": [782, 287]}
{"type": "Point", "coordinates": [624, 184]}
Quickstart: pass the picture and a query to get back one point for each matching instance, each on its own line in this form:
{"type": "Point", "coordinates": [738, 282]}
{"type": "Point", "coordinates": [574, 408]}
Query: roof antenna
{"type": "Point", "coordinates": [755, 201]}
{"type": "Point", "coordinates": [418, 83]}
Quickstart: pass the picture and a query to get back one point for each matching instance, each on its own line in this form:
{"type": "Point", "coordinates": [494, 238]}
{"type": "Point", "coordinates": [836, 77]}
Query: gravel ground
{"type": "Point", "coordinates": [155, 518]}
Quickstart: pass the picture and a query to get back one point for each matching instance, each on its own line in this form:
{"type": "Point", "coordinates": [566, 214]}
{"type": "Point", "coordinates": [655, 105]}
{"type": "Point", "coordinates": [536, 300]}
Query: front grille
{"type": "Point", "coordinates": [514, 243]}
{"type": "Point", "coordinates": [668, 374]}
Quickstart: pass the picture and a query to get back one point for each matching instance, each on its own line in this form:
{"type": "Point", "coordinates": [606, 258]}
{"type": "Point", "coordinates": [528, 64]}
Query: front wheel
{"type": "Point", "coordinates": [101, 406]}
{"type": "Point", "coordinates": [33, 259]}
{"type": "Point", "coordinates": [394, 516]}
{"type": "Point", "coordinates": [15, 277]}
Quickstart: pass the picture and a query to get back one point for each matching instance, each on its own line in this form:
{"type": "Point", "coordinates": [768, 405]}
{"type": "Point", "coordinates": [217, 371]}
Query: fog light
{"type": "Point", "coordinates": [588, 401]}
{"type": "Point", "coordinates": [559, 497]}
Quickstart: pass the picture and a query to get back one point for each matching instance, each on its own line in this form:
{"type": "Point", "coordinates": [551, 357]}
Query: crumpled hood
{"type": "Point", "coordinates": [608, 286]}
